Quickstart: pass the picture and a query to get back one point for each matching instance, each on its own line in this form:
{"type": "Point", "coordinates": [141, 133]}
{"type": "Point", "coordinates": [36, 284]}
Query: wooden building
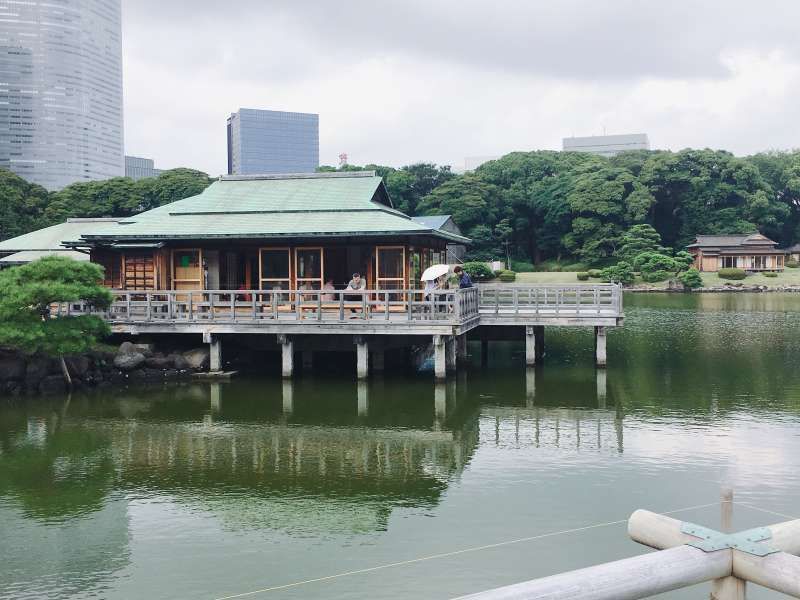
{"type": "Point", "coordinates": [749, 252]}
{"type": "Point", "coordinates": [271, 232]}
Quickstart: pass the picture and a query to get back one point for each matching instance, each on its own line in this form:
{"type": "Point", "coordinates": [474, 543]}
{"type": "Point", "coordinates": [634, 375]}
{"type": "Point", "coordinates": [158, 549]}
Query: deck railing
{"type": "Point", "coordinates": [551, 300]}
{"type": "Point", "coordinates": [192, 306]}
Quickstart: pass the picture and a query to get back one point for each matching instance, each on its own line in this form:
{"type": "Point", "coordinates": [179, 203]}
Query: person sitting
{"type": "Point", "coordinates": [356, 284]}
{"type": "Point", "coordinates": [464, 280]}
{"type": "Point", "coordinates": [328, 288]}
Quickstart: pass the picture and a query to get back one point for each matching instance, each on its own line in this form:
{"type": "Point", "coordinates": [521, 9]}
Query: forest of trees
{"type": "Point", "coordinates": [531, 206]}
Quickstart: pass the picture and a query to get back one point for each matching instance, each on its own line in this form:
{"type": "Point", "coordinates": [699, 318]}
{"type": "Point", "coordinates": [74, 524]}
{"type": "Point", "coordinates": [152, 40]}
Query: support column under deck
{"type": "Point", "coordinates": [530, 346]}
{"type": "Point", "coordinates": [214, 352]}
{"type": "Point", "coordinates": [439, 359]}
{"type": "Point", "coordinates": [287, 355]}
{"type": "Point", "coordinates": [362, 357]}
{"type": "Point", "coordinates": [451, 353]}
{"type": "Point", "coordinates": [461, 348]}
{"type": "Point", "coordinates": [600, 346]}
{"type": "Point", "coordinates": [538, 334]}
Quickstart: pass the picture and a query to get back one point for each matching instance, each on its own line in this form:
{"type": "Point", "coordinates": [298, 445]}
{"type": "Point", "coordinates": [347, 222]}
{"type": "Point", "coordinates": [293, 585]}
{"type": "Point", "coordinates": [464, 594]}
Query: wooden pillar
{"type": "Point", "coordinates": [461, 347]}
{"type": "Point", "coordinates": [362, 357]}
{"type": "Point", "coordinates": [214, 352]}
{"type": "Point", "coordinates": [451, 352]}
{"type": "Point", "coordinates": [530, 346]}
{"type": "Point", "coordinates": [728, 588]}
{"type": "Point", "coordinates": [538, 334]}
{"type": "Point", "coordinates": [484, 353]}
{"type": "Point", "coordinates": [378, 358]}
{"type": "Point", "coordinates": [287, 355]}
{"type": "Point", "coordinates": [600, 346]}
{"type": "Point", "coordinates": [439, 360]}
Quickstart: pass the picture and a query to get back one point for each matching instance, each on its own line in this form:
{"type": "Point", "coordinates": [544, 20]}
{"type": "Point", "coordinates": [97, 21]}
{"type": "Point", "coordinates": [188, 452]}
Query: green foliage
{"type": "Point", "coordinates": [507, 276]}
{"type": "Point", "coordinates": [792, 264]}
{"type": "Point", "coordinates": [731, 273]}
{"type": "Point", "coordinates": [622, 272]}
{"type": "Point", "coordinates": [479, 271]}
{"type": "Point", "coordinates": [691, 279]}
{"type": "Point", "coordinates": [521, 266]}
{"type": "Point", "coordinates": [656, 276]}
{"type": "Point", "coordinates": [595, 273]}
{"type": "Point", "coordinates": [770, 274]}
{"type": "Point", "coordinates": [683, 260]}
{"type": "Point", "coordinates": [26, 294]}
{"type": "Point", "coordinates": [638, 239]}
{"type": "Point", "coordinates": [582, 276]}
{"type": "Point", "coordinates": [22, 205]}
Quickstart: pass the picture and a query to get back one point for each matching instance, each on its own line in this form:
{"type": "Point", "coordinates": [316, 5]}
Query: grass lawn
{"type": "Point", "coordinates": [787, 277]}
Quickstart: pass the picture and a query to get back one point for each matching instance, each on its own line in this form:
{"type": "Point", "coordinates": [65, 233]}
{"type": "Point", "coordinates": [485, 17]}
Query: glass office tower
{"type": "Point", "coordinates": [61, 90]}
{"type": "Point", "coordinates": [261, 142]}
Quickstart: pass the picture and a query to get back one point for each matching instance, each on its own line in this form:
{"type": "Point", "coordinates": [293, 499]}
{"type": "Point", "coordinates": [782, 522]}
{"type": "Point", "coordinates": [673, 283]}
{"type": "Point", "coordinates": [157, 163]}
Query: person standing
{"type": "Point", "coordinates": [464, 280]}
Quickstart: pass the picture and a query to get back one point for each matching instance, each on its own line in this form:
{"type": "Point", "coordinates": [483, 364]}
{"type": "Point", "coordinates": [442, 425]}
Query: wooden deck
{"type": "Point", "coordinates": [381, 312]}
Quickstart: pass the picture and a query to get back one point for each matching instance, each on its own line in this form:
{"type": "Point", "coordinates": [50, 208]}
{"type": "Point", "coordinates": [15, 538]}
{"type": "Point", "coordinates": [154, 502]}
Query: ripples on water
{"type": "Point", "coordinates": [207, 490]}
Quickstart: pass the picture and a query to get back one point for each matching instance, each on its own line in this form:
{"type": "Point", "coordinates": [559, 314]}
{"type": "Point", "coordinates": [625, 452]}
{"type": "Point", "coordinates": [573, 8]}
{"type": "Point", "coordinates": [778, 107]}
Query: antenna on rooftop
{"type": "Point", "coordinates": [343, 160]}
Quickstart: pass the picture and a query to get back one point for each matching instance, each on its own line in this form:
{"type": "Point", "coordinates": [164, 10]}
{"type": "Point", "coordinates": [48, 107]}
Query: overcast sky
{"type": "Point", "coordinates": [441, 80]}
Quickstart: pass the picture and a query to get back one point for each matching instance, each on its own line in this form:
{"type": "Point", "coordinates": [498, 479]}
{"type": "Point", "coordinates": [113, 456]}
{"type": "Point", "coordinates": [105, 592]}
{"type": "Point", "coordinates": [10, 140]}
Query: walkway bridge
{"type": "Point", "coordinates": [375, 320]}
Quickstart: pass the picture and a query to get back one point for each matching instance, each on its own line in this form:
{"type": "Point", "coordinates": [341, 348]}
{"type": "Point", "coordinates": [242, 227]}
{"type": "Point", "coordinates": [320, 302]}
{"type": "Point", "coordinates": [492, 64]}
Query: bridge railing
{"type": "Point", "coordinates": [551, 300]}
{"type": "Point", "coordinates": [190, 306]}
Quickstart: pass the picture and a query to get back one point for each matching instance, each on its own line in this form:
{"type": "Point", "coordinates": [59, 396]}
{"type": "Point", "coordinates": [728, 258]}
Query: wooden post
{"type": "Point", "coordinates": [287, 355]}
{"type": "Point", "coordinates": [214, 351]}
{"type": "Point", "coordinates": [362, 357]}
{"type": "Point", "coordinates": [600, 346]}
{"type": "Point", "coordinates": [451, 353]}
{"type": "Point", "coordinates": [461, 347]}
{"type": "Point", "coordinates": [530, 346]}
{"type": "Point", "coordinates": [439, 360]}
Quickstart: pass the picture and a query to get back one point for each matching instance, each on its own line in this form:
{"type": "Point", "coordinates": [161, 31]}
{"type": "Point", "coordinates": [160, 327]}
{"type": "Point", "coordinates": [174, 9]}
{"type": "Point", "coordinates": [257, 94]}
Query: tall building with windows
{"type": "Point", "coordinates": [607, 145]}
{"type": "Point", "coordinates": [137, 167]}
{"type": "Point", "coordinates": [262, 142]}
{"type": "Point", "coordinates": [61, 90]}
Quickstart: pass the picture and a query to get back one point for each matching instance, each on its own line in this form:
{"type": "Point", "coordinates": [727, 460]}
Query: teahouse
{"type": "Point", "coordinates": [749, 252]}
{"type": "Point", "coordinates": [271, 232]}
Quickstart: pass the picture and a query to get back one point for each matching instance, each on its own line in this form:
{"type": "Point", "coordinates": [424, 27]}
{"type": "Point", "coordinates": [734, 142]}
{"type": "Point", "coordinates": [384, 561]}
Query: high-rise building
{"type": "Point", "coordinates": [262, 142]}
{"type": "Point", "coordinates": [607, 145]}
{"type": "Point", "coordinates": [137, 167]}
{"type": "Point", "coordinates": [61, 90]}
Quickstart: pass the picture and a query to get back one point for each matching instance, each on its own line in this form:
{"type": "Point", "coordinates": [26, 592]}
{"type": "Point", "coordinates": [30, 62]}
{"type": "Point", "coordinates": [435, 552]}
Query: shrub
{"type": "Point", "coordinates": [595, 273]}
{"type": "Point", "coordinates": [691, 279]}
{"type": "Point", "coordinates": [507, 276]}
{"type": "Point", "coordinates": [792, 264]}
{"type": "Point", "coordinates": [578, 266]}
{"type": "Point", "coordinates": [521, 266]}
{"type": "Point", "coordinates": [770, 274]}
{"type": "Point", "coordinates": [497, 273]}
{"type": "Point", "coordinates": [731, 273]}
{"type": "Point", "coordinates": [619, 273]}
{"type": "Point", "coordinates": [656, 276]}
{"type": "Point", "coordinates": [479, 271]}
{"type": "Point", "coordinates": [582, 276]}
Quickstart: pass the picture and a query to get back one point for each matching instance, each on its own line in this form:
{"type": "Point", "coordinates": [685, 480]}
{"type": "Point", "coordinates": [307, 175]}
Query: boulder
{"type": "Point", "coordinates": [38, 368]}
{"type": "Point", "coordinates": [178, 362]}
{"type": "Point", "coordinates": [158, 362]}
{"type": "Point", "coordinates": [198, 358]}
{"type": "Point", "coordinates": [146, 349]}
{"type": "Point", "coordinates": [129, 362]}
{"type": "Point", "coordinates": [53, 384]}
{"type": "Point", "coordinates": [78, 365]}
{"type": "Point", "coordinates": [127, 348]}
{"type": "Point", "coordinates": [12, 367]}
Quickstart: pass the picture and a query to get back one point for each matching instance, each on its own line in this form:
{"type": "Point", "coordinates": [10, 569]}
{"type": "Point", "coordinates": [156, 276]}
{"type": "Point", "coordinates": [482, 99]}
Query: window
{"type": "Point", "coordinates": [139, 272]}
{"type": "Point", "coordinates": [308, 264]}
{"type": "Point", "coordinates": [187, 269]}
{"type": "Point", "coordinates": [729, 262]}
{"type": "Point", "coordinates": [112, 269]}
{"type": "Point", "coordinates": [274, 269]}
{"type": "Point", "coordinates": [390, 267]}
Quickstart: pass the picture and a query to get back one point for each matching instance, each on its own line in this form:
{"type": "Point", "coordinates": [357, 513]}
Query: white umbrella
{"type": "Point", "coordinates": [435, 272]}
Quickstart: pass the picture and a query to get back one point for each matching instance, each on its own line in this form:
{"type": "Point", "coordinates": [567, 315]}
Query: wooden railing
{"type": "Point", "coordinates": [551, 300]}
{"type": "Point", "coordinates": [297, 305]}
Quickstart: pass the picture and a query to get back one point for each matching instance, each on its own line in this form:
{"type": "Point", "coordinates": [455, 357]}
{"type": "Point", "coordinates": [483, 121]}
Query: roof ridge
{"type": "Point", "coordinates": [274, 176]}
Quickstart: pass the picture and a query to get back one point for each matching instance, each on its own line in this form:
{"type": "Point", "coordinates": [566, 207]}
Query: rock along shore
{"type": "Point", "coordinates": [130, 363]}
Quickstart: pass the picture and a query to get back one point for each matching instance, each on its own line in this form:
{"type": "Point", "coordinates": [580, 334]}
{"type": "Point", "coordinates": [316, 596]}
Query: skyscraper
{"type": "Point", "coordinates": [137, 167]}
{"type": "Point", "coordinates": [261, 142]}
{"type": "Point", "coordinates": [61, 90]}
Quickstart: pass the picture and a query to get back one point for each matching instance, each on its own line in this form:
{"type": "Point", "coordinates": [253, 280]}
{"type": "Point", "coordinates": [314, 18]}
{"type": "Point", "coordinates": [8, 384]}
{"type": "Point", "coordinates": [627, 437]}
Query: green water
{"type": "Point", "coordinates": [207, 491]}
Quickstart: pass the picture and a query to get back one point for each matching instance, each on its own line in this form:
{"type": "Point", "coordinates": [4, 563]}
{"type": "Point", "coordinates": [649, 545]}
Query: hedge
{"type": "Point", "coordinates": [770, 274]}
{"type": "Point", "coordinates": [792, 264]}
{"type": "Point", "coordinates": [731, 273]}
{"type": "Point", "coordinates": [479, 271]}
{"type": "Point", "coordinates": [582, 276]}
{"type": "Point", "coordinates": [595, 273]}
{"type": "Point", "coordinates": [507, 276]}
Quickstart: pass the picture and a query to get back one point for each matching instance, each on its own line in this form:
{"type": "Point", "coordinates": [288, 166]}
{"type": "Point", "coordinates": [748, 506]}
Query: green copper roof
{"type": "Point", "coordinates": [340, 204]}
{"type": "Point", "coordinates": [50, 238]}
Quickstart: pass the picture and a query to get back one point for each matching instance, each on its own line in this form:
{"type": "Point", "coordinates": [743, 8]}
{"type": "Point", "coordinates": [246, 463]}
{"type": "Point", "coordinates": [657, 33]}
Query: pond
{"type": "Point", "coordinates": [397, 488]}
